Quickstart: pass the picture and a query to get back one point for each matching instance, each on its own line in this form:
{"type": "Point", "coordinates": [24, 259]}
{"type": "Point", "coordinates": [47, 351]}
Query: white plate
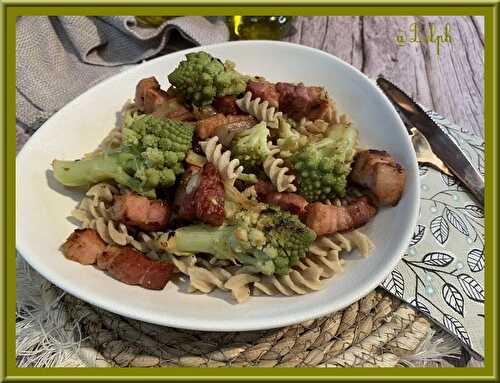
{"type": "Point", "coordinates": [42, 205]}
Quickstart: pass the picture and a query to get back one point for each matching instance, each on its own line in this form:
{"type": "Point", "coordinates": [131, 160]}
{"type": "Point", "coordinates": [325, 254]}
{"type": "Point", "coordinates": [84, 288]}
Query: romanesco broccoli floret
{"type": "Point", "coordinates": [251, 148]}
{"type": "Point", "coordinates": [322, 167]}
{"type": "Point", "coordinates": [271, 241]}
{"type": "Point", "coordinates": [150, 157]}
{"type": "Point", "coordinates": [290, 140]}
{"type": "Point", "coordinates": [200, 78]}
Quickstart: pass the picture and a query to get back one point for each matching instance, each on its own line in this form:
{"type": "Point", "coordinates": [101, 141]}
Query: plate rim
{"type": "Point", "coordinates": [287, 319]}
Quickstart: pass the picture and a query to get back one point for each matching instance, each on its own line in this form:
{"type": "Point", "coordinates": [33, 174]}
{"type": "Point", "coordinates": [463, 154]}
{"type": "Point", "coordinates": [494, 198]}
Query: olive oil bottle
{"type": "Point", "coordinates": [259, 27]}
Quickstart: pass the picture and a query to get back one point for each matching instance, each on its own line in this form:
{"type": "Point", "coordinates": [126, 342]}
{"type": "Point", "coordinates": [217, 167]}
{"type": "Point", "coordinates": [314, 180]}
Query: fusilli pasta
{"type": "Point", "coordinates": [311, 128]}
{"type": "Point", "coordinates": [94, 212]}
{"type": "Point", "coordinates": [259, 109]}
{"type": "Point", "coordinates": [327, 253]}
{"type": "Point", "coordinates": [229, 169]}
{"type": "Point", "coordinates": [112, 141]}
{"type": "Point", "coordinates": [296, 282]}
{"type": "Point", "coordinates": [323, 261]}
{"type": "Point", "coordinates": [239, 285]}
{"type": "Point", "coordinates": [206, 280]}
{"type": "Point", "coordinates": [360, 241]}
{"type": "Point", "coordinates": [277, 173]}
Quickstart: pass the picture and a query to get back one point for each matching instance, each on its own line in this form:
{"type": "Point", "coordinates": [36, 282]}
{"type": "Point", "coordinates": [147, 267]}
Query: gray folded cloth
{"type": "Point", "coordinates": [58, 58]}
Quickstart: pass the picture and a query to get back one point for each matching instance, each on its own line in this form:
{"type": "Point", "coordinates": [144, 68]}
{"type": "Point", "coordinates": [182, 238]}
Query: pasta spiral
{"type": "Point", "coordinates": [202, 276]}
{"type": "Point", "coordinates": [360, 241]}
{"type": "Point", "coordinates": [206, 280]}
{"type": "Point", "coordinates": [323, 261]}
{"type": "Point", "coordinates": [277, 173]}
{"type": "Point", "coordinates": [94, 212]}
{"type": "Point", "coordinates": [228, 169]}
{"type": "Point", "coordinates": [296, 282]}
{"type": "Point", "coordinates": [326, 254]}
{"type": "Point", "coordinates": [239, 285]}
{"type": "Point", "coordinates": [112, 141]}
{"type": "Point", "coordinates": [205, 277]}
{"type": "Point", "coordinates": [311, 128]}
{"type": "Point", "coordinates": [259, 109]}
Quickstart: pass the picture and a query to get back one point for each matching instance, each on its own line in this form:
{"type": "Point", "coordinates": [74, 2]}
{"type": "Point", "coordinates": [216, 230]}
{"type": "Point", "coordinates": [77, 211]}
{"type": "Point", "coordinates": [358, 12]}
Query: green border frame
{"type": "Point", "coordinates": [10, 9]}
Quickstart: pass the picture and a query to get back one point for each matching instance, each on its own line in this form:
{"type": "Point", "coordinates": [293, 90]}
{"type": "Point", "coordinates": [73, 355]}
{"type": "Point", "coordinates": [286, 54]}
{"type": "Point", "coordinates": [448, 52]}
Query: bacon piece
{"type": "Point", "coordinates": [151, 99]}
{"type": "Point", "coordinates": [265, 90]}
{"type": "Point", "coordinates": [234, 125]}
{"type": "Point", "coordinates": [264, 188]}
{"type": "Point", "coordinates": [329, 219]}
{"type": "Point", "coordinates": [172, 108]}
{"type": "Point", "coordinates": [154, 98]}
{"type": "Point", "coordinates": [200, 196]}
{"type": "Point", "coordinates": [136, 210]}
{"type": "Point", "coordinates": [381, 174]}
{"type": "Point", "coordinates": [142, 88]}
{"type": "Point", "coordinates": [299, 101]}
{"type": "Point", "coordinates": [83, 246]}
{"type": "Point", "coordinates": [226, 105]}
{"type": "Point", "coordinates": [209, 197]}
{"type": "Point", "coordinates": [130, 266]}
{"type": "Point", "coordinates": [323, 111]}
{"type": "Point", "coordinates": [243, 120]}
{"type": "Point", "coordinates": [223, 126]}
{"type": "Point", "coordinates": [184, 194]}
{"type": "Point", "coordinates": [291, 202]}
{"type": "Point", "coordinates": [206, 128]}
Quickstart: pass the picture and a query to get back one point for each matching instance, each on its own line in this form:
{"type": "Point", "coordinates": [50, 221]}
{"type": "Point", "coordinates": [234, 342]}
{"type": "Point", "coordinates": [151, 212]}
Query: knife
{"type": "Point", "coordinates": [441, 144]}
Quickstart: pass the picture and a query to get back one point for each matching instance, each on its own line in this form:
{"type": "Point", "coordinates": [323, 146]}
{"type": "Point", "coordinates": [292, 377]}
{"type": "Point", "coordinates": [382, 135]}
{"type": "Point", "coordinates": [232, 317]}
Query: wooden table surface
{"type": "Point", "coordinates": [451, 83]}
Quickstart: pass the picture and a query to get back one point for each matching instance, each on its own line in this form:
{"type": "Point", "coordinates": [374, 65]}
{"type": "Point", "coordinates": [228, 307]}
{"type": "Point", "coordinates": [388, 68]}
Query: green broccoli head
{"type": "Point", "coordinates": [322, 167]}
{"type": "Point", "coordinates": [200, 78]}
{"type": "Point", "coordinates": [272, 241]}
{"type": "Point", "coordinates": [250, 147]}
{"type": "Point", "coordinates": [287, 238]}
{"type": "Point", "coordinates": [290, 140]}
{"type": "Point", "coordinates": [149, 157]}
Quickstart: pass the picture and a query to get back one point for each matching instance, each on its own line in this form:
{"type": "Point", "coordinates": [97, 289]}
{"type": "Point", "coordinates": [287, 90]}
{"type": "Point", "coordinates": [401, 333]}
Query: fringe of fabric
{"type": "Point", "coordinates": [44, 335]}
{"type": "Point", "coordinates": [47, 337]}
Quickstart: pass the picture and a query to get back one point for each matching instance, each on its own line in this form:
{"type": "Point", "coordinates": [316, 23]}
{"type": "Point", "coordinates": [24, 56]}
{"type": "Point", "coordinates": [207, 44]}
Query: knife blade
{"type": "Point", "coordinates": [442, 145]}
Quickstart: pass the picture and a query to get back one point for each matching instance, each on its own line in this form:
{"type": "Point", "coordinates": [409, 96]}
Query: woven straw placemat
{"type": "Point", "coordinates": [376, 331]}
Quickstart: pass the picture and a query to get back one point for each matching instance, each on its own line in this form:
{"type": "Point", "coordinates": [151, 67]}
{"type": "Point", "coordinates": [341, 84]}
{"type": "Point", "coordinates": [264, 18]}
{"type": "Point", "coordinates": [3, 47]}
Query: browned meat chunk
{"type": "Point", "coordinates": [206, 128]}
{"type": "Point", "coordinates": [323, 111]}
{"type": "Point", "coordinates": [234, 125]}
{"type": "Point", "coordinates": [172, 108]}
{"type": "Point", "coordinates": [200, 196]}
{"type": "Point", "coordinates": [265, 90]}
{"type": "Point", "coordinates": [329, 219]}
{"type": "Point", "coordinates": [151, 99]}
{"type": "Point", "coordinates": [142, 88]}
{"type": "Point", "coordinates": [299, 101]}
{"type": "Point", "coordinates": [264, 188]}
{"type": "Point", "coordinates": [243, 120]}
{"type": "Point", "coordinates": [132, 267]}
{"type": "Point", "coordinates": [184, 194]}
{"type": "Point", "coordinates": [291, 202]}
{"type": "Point", "coordinates": [381, 174]}
{"type": "Point", "coordinates": [226, 105]}
{"type": "Point", "coordinates": [225, 127]}
{"type": "Point", "coordinates": [136, 210]}
{"type": "Point", "coordinates": [209, 198]}
{"type": "Point", "coordinates": [83, 246]}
